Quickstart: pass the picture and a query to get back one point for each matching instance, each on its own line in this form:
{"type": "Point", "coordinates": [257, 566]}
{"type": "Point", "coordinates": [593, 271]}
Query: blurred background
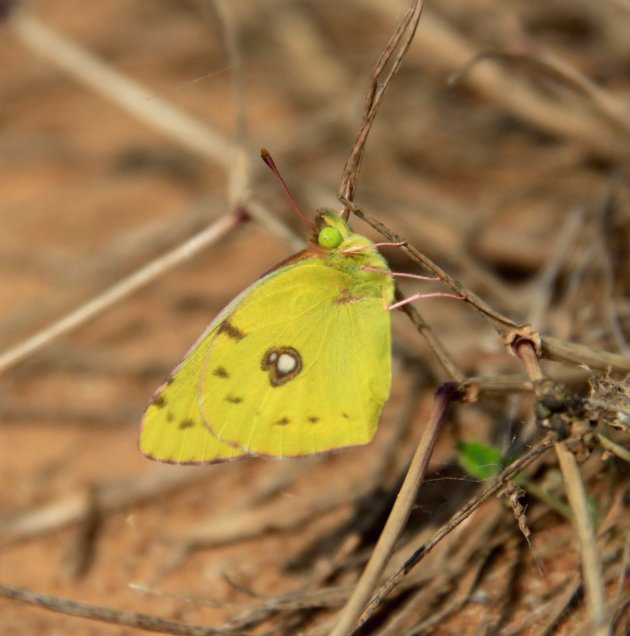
{"type": "Point", "coordinates": [501, 152]}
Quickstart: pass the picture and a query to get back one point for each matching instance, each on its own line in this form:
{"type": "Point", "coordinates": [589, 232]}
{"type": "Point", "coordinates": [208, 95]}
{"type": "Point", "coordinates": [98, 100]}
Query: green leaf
{"type": "Point", "coordinates": [480, 460]}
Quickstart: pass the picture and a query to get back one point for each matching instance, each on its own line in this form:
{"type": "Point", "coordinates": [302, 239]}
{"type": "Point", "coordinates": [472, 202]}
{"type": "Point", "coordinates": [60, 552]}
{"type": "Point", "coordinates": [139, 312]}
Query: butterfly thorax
{"type": "Point", "coordinates": [352, 256]}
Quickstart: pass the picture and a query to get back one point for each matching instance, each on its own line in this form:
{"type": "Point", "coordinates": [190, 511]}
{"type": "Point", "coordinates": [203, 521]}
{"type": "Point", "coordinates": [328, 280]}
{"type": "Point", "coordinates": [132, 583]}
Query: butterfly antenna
{"type": "Point", "coordinates": [266, 157]}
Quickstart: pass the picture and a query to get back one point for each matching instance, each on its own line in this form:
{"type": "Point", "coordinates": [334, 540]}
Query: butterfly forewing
{"type": "Point", "coordinates": [298, 368]}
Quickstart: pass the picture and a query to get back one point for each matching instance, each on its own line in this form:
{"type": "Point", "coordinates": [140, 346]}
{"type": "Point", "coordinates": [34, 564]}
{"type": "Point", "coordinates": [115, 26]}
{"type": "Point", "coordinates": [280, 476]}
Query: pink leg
{"type": "Point", "coordinates": [398, 274]}
{"type": "Point", "coordinates": [360, 248]}
{"type": "Point", "coordinates": [415, 297]}
{"type": "Point", "coordinates": [400, 244]}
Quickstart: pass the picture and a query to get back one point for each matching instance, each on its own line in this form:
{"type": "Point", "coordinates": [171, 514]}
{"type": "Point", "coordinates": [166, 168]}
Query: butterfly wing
{"type": "Point", "coordinates": [298, 364]}
{"type": "Point", "coordinates": [172, 427]}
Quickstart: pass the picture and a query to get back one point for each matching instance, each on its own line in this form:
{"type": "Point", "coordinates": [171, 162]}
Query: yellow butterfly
{"type": "Point", "coordinates": [299, 363]}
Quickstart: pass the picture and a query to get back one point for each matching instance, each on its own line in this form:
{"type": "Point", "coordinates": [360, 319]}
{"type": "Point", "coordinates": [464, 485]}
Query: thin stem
{"type": "Point", "coordinates": [120, 290]}
{"type": "Point", "coordinates": [398, 516]}
{"type": "Point", "coordinates": [239, 172]}
{"type": "Point", "coordinates": [110, 615]}
{"type": "Point", "coordinates": [526, 352]}
{"type": "Point", "coordinates": [583, 524]}
{"type": "Point", "coordinates": [394, 53]}
{"type": "Point", "coordinates": [116, 87]}
{"type": "Point", "coordinates": [458, 518]}
{"type": "Point", "coordinates": [448, 364]}
{"type": "Point", "coordinates": [502, 323]}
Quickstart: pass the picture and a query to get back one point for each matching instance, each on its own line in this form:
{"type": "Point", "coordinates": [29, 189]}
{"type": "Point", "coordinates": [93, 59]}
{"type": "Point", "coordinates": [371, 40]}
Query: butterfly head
{"type": "Point", "coordinates": [331, 234]}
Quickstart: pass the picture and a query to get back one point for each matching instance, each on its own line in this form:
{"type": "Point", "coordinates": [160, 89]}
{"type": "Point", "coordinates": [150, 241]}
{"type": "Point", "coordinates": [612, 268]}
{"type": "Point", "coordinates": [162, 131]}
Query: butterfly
{"type": "Point", "coordinates": [298, 364]}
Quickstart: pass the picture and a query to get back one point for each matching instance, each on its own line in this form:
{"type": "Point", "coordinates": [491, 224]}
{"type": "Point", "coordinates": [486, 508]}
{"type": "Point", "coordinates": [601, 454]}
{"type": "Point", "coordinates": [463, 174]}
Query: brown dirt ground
{"type": "Point", "coordinates": [485, 186]}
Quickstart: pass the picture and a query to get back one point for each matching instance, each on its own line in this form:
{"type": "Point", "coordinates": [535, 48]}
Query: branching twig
{"type": "Point", "coordinates": [121, 290]}
{"type": "Point", "coordinates": [452, 371]}
{"type": "Point", "coordinates": [116, 87]}
{"type": "Point", "coordinates": [552, 348]}
{"type": "Point", "coordinates": [513, 469]}
{"type": "Point", "coordinates": [393, 55]}
{"type": "Point", "coordinates": [398, 516]}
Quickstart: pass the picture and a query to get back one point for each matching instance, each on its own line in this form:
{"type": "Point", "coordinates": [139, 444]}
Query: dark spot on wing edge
{"type": "Point", "coordinates": [159, 401]}
{"type": "Point", "coordinates": [231, 331]}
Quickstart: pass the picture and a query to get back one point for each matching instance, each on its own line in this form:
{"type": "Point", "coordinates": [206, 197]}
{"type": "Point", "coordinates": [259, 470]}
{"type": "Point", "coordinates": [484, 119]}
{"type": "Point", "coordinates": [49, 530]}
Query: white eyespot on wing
{"type": "Point", "coordinates": [282, 364]}
{"type": "Point", "coordinates": [287, 362]}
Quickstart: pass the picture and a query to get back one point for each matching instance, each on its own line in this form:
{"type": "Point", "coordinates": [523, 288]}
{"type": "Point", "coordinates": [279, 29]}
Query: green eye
{"type": "Point", "coordinates": [329, 237]}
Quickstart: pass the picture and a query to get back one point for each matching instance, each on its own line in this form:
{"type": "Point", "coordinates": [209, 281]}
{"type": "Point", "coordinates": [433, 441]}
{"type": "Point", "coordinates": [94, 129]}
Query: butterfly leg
{"type": "Point", "coordinates": [415, 297]}
{"type": "Point", "coordinates": [360, 248]}
{"type": "Point", "coordinates": [398, 274]}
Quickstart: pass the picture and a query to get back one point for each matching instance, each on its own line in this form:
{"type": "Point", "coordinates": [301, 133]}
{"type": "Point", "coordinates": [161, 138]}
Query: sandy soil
{"type": "Point", "coordinates": [514, 180]}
